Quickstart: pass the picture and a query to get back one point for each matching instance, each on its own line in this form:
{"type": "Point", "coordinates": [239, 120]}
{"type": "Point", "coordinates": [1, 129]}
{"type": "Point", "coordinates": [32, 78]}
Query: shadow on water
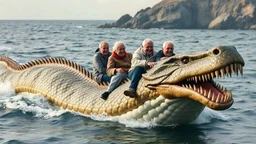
{"type": "Point", "coordinates": [78, 129]}
{"type": "Point", "coordinates": [112, 132]}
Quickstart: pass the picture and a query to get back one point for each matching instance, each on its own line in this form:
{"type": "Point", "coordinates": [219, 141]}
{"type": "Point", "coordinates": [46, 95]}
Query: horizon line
{"type": "Point", "coordinates": [57, 19]}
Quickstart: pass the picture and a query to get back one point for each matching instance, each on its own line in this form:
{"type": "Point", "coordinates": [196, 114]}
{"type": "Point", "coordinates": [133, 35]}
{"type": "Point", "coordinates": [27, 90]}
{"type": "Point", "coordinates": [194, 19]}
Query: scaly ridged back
{"type": "Point", "coordinates": [66, 84]}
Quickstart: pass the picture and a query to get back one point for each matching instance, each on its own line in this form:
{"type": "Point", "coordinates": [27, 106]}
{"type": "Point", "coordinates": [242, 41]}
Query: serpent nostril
{"type": "Point", "coordinates": [216, 51]}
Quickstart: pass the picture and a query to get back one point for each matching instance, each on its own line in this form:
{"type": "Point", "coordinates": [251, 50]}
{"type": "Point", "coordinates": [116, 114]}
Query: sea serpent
{"type": "Point", "coordinates": [175, 91]}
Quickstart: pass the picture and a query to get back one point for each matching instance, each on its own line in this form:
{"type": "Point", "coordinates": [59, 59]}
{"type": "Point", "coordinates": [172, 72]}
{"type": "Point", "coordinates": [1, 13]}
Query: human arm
{"type": "Point", "coordinates": [111, 66]}
{"type": "Point", "coordinates": [151, 64]}
{"type": "Point", "coordinates": [162, 58]}
{"type": "Point", "coordinates": [159, 55]}
{"type": "Point", "coordinates": [98, 64]}
{"type": "Point", "coordinates": [137, 60]}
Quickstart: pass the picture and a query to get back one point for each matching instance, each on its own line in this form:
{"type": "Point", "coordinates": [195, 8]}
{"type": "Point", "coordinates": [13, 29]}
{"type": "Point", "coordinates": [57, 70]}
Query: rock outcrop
{"type": "Point", "coordinates": [125, 18]}
{"type": "Point", "coordinates": [193, 14]}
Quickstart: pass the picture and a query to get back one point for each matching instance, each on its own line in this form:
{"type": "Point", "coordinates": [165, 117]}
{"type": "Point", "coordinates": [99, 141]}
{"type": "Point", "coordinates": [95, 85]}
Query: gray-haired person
{"type": "Point", "coordinates": [118, 66]}
{"type": "Point", "coordinates": [167, 51]}
{"type": "Point", "coordinates": [100, 61]}
{"type": "Point", "coordinates": [142, 60]}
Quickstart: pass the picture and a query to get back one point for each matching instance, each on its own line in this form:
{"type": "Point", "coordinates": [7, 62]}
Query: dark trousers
{"type": "Point", "coordinates": [105, 78]}
{"type": "Point", "coordinates": [135, 75]}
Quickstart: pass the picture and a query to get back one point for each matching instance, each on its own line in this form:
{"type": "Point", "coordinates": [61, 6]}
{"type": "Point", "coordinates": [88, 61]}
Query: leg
{"type": "Point", "coordinates": [116, 80]}
{"type": "Point", "coordinates": [135, 76]}
{"type": "Point", "coordinates": [105, 78]}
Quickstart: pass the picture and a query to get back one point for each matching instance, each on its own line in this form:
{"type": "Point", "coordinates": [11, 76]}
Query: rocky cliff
{"type": "Point", "coordinates": [193, 14]}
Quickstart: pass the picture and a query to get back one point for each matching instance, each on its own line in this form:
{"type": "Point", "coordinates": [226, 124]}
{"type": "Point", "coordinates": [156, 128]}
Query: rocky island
{"type": "Point", "coordinates": [192, 14]}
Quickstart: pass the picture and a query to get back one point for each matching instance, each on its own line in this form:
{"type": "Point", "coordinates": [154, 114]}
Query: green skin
{"type": "Point", "coordinates": [178, 79]}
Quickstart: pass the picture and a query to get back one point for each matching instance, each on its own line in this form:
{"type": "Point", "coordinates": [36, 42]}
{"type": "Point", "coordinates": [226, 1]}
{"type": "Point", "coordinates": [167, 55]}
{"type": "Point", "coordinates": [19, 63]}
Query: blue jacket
{"type": "Point", "coordinates": [160, 54]}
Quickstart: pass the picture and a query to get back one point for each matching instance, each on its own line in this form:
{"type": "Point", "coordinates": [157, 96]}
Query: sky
{"type": "Point", "coordinates": [71, 9]}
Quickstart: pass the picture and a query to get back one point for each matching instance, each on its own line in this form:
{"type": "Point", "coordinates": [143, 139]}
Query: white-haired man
{"type": "Point", "coordinates": [118, 66]}
{"type": "Point", "coordinates": [142, 60]}
{"type": "Point", "coordinates": [100, 60]}
{"type": "Point", "coordinates": [167, 51]}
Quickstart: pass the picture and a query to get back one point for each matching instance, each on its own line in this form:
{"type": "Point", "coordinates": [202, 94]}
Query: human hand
{"type": "Point", "coordinates": [151, 64]}
{"type": "Point", "coordinates": [163, 58]}
{"type": "Point", "coordinates": [120, 70]}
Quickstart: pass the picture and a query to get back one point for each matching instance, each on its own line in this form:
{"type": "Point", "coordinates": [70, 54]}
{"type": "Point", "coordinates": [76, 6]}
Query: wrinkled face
{"type": "Point", "coordinates": [148, 48]}
{"type": "Point", "coordinates": [120, 50]}
{"type": "Point", "coordinates": [168, 49]}
{"type": "Point", "coordinates": [104, 48]}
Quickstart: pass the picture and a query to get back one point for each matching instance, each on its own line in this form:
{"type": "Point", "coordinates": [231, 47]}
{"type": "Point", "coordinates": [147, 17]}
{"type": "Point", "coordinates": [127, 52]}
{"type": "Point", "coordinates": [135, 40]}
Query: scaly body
{"type": "Point", "coordinates": [175, 91]}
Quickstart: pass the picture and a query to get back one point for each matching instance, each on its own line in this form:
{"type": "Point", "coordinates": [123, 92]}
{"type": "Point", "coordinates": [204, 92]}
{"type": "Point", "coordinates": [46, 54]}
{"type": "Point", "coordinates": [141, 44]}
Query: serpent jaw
{"type": "Point", "coordinates": [202, 88]}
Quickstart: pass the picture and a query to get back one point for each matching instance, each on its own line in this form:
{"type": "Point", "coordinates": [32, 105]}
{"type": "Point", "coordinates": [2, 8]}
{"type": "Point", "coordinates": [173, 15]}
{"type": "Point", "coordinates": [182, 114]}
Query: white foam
{"type": "Point", "coordinates": [137, 123]}
{"type": "Point", "coordinates": [5, 48]}
{"type": "Point", "coordinates": [79, 26]}
{"type": "Point", "coordinates": [6, 90]}
{"type": "Point", "coordinates": [121, 120]}
{"type": "Point", "coordinates": [34, 103]}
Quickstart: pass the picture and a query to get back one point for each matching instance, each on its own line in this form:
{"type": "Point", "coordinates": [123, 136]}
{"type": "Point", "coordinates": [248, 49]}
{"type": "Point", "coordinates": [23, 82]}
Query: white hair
{"type": "Point", "coordinates": [103, 42]}
{"type": "Point", "coordinates": [166, 42]}
{"type": "Point", "coordinates": [117, 44]}
{"type": "Point", "coordinates": [145, 41]}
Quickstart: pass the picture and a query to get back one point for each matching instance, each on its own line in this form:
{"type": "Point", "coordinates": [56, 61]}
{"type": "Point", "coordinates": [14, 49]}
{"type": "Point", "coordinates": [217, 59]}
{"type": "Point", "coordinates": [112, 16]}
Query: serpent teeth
{"type": "Point", "coordinates": [194, 87]}
{"type": "Point", "coordinates": [201, 90]}
{"type": "Point", "coordinates": [190, 86]}
{"type": "Point", "coordinates": [213, 97]}
{"type": "Point", "coordinates": [218, 98]}
{"type": "Point", "coordinates": [209, 94]}
{"type": "Point", "coordinates": [217, 74]}
{"type": "Point", "coordinates": [222, 71]}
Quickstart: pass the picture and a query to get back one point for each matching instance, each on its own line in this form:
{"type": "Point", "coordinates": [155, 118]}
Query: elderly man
{"type": "Point", "coordinates": [143, 59]}
{"type": "Point", "coordinates": [100, 61]}
{"type": "Point", "coordinates": [118, 66]}
{"type": "Point", "coordinates": [167, 51]}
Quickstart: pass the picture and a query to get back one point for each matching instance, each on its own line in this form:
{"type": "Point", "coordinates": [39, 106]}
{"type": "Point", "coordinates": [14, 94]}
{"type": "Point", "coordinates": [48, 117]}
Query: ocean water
{"type": "Point", "coordinates": [32, 119]}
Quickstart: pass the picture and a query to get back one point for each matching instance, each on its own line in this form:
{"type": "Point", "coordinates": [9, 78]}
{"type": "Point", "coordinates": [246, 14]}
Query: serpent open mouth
{"type": "Point", "coordinates": [202, 88]}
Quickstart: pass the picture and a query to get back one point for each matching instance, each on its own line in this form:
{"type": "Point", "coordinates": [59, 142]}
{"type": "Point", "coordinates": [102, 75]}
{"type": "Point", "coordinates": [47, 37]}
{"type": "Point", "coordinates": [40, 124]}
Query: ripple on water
{"type": "Point", "coordinates": [64, 39]}
{"type": "Point", "coordinates": [237, 39]}
{"type": "Point", "coordinates": [249, 112]}
{"type": "Point", "coordinates": [243, 34]}
{"type": "Point", "coordinates": [225, 36]}
{"type": "Point", "coordinates": [14, 141]}
{"type": "Point", "coordinates": [9, 42]}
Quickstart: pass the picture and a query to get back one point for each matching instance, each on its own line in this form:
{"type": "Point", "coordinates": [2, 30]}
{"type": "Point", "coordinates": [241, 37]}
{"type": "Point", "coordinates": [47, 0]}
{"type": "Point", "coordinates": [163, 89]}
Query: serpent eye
{"type": "Point", "coordinates": [216, 51]}
{"type": "Point", "coordinates": [185, 60]}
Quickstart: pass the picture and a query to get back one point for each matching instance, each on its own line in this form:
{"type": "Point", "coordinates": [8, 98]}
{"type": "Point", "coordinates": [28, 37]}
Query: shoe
{"type": "Point", "coordinates": [131, 93]}
{"type": "Point", "coordinates": [104, 96]}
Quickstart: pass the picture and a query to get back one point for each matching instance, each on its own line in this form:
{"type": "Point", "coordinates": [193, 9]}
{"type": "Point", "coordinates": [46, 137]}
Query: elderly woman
{"type": "Point", "coordinates": [118, 66]}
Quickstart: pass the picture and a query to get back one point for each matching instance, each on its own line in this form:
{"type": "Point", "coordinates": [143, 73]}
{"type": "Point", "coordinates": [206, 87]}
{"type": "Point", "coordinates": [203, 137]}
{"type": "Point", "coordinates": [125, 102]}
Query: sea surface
{"type": "Point", "coordinates": [32, 119]}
